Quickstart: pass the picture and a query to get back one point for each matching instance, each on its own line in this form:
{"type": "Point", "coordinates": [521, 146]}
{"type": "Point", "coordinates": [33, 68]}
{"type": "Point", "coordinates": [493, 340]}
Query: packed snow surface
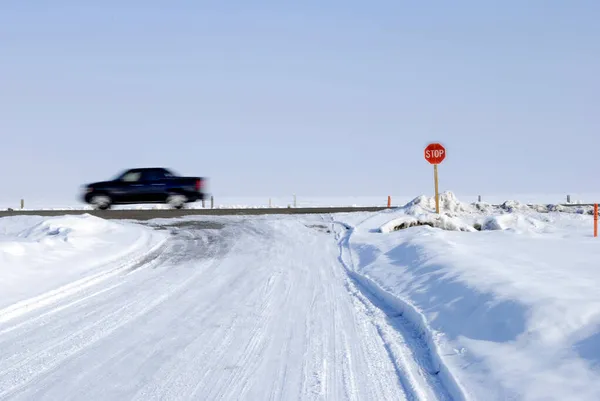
{"type": "Point", "coordinates": [252, 309]}
{"type": "Point", "coordinates": [481, 302]}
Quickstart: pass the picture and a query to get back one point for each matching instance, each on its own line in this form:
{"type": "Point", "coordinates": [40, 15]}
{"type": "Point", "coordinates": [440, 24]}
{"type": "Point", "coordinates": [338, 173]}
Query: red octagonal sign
{"type": "Point", "coordinates": [435, 153]}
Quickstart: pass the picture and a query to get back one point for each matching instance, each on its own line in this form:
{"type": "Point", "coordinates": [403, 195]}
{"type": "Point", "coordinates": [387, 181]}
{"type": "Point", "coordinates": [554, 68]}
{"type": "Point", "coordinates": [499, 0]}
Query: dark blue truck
{"type": "Point", "coordinates": [145, 185]}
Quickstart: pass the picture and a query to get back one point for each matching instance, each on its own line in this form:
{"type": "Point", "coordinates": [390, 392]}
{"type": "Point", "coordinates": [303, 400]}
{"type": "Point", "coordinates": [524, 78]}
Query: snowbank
{"type": "Point", "coordinates": [439, 221]}
{"type": "Point", "coordinates": [41, 254]}
{"type": "Point", "coordinates": [510, 312]}
{"type": "Point", "coordinates": [449, 204]}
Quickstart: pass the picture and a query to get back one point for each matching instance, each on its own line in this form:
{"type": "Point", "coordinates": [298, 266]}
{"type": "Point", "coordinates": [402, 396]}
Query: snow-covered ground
{"type": "Point", "coordinates": [309, 201]}
{"type": "Point", "coordinates": [38, 254]}
{"type": "Point", "coordinates": [480, 303]}
{"type": "Point", "coordinates": [507, 300]}
{"type": "Point", "coordinates": [256, 310]}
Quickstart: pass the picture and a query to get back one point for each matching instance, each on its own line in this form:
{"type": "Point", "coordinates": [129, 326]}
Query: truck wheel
{"type": "Point", "coordinates": [101, 202]}
{"type": "Point", "coordinates": [176, 201]}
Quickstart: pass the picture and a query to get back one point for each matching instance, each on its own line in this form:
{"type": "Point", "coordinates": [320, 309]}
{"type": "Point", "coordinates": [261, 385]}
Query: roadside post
{"type": "Point", "coordinates": [595, 219]}
{"type": "Point", "coordinates": [435, 153]}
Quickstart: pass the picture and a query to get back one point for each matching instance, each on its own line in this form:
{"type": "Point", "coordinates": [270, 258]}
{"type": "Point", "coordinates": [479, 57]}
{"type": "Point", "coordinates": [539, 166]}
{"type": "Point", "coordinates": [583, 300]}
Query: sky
{"type": "Point", "coordinates": [269, 98]}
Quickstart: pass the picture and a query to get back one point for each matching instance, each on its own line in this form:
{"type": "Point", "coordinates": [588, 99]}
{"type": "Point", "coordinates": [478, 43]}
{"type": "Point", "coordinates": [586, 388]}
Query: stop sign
{"type": "Point", "coordinates": [435, 153]}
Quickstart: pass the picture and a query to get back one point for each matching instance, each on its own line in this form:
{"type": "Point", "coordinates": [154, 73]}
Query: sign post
{"type": "Point", "coordinates": [435, 153]}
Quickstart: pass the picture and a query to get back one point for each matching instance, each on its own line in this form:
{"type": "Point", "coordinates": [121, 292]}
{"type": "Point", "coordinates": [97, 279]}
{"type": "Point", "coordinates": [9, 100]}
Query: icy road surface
{"type": "Point", "coordinates": [256, 309]}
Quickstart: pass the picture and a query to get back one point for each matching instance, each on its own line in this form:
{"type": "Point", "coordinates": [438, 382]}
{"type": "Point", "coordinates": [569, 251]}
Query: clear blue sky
{"type": "Point", "coordinates": [315, 98]}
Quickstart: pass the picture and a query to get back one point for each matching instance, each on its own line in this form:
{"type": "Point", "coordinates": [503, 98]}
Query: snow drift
{"type": "Point", "coordinates": [41, 254]}
{"type": "Point", "coordinates": [511, 310]}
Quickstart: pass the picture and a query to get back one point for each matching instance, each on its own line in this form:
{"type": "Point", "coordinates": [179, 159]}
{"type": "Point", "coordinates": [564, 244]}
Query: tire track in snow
{"type": "Point", "coordinates": [197, 374]}
{"type": "Point", "coordinates": [277, 390]}
{"type": "Point", "coordinates": [314, 379]}
{"type": "Point", "coordinates": [249, 358]}
{"type": "Point", "coordinates": [47, 299]}
{"type": "Point", "coordinates": [407, 349]}
{"type": "Point", "coordinates": [43, 311]}
{"type": "Point", "coordinates": [357, 348]}
{"type": "Point", "coordinates": [63, 348]}
{"type": "Point", "coordinates": [59, 348]}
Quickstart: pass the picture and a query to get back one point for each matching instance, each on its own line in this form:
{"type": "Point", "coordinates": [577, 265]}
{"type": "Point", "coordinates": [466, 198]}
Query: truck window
{"type": "Point", "coordinates": [168, 173]}
{"type": "Point", "coordinates": [132, 176]}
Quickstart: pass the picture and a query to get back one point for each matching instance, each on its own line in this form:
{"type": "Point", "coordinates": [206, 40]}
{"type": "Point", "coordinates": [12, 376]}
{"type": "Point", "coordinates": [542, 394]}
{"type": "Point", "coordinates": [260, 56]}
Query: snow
{"type": "Point", "coordinates": [242, 312]}
{"type": "Point", "coordinates": [483, 301]}
{"type": "Point", "coordinates": [38, 254]}
{"type": "Point", "coordinates": [510, 312]}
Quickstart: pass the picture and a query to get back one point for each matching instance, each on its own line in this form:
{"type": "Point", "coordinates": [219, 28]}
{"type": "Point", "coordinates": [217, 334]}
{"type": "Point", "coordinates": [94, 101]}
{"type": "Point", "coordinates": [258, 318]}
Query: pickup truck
{"type": "Point", "coordinates": [145, 185]}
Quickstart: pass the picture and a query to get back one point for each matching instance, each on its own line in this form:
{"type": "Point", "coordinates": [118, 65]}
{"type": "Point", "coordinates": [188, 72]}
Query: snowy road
{"type": "Point", "coordinates": [256, 309]}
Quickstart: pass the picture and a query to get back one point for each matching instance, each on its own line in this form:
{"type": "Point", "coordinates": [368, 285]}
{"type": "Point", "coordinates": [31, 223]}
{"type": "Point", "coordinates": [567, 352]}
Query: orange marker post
{"type": "Point", "coordinates": [389, 201]}
{"type": "Point", "coordinates": [595, 220]}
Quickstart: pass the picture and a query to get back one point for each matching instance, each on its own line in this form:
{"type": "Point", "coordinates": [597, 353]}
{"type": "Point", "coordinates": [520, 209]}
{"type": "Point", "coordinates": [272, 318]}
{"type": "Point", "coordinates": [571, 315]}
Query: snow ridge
{"type": "Point", "coordinates": [410, 326]}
